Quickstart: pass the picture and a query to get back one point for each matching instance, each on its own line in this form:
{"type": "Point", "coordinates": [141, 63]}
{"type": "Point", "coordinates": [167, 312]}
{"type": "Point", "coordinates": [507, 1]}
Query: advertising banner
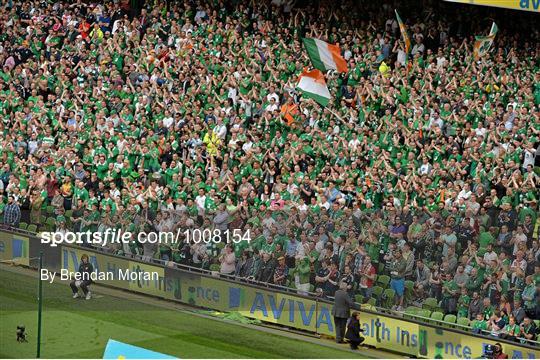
{"type": "Point", "coordinates": [271, 305]}
{"type": "Point", "coordinates": [14, 247]}
{"type": "Point", "coordinates": [526, 5]}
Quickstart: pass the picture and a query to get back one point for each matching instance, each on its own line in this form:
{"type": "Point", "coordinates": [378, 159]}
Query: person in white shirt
{"type": "Point", "coordinates": [272, 106]}
{"type": "Point", "coordinates": [490, 255]}
{"type": "Point", "coordinates": [200, 200]}
{"type": "Point", "coordinates": [465, 193]}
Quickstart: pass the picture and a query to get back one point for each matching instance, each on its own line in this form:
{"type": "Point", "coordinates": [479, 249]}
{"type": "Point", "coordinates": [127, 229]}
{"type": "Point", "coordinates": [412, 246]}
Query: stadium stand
{"type": "Point", "coordinates": [184, 116]}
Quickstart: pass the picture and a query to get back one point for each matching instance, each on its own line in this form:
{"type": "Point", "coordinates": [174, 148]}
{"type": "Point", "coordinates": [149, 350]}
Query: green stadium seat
{"type": "Point", "coordinates": [23, 226]}
{"type": "Point", "coordinates": [411, 312]}
{"type": "Point", "coordinates": [450, 318]}
{"type": "Point", "coordinates": [463, 321]}
{"type": "Point", "coordinates": [372, 302]}
{"type": "Point", "coordinates": [409, 286]}
{"type": "Point", "coordinates": [50, 224]}
{"type": "Point", "coordinates": [50, 210]}
{"type": "Point", "coordinates": [437, 315]}
{"type": "Point", "coordinates": [68, 214]}
{"type": "Point", "coordinates": [388, 298]}
{"type": "Point", "coordinates": [424, 313]}
{"type": "Point", "coordinates": [430, 304]}
{"type": "Point", "coordinates": [32, 228]}
{"type": "Point", "coordinates": [383, 280]}
{"type": "Point", "coordinates": [359, 299]}
{"type": "Point", "coordinates": [311, 288]}
{"type": "Point", "coordinates": [214, 267]}
{"type": "Point", "coordinates": [377, 292]}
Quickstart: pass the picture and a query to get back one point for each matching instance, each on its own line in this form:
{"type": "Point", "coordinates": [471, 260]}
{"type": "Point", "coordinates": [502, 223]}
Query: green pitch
{"type": "Point", "coordinates": [74, 328]}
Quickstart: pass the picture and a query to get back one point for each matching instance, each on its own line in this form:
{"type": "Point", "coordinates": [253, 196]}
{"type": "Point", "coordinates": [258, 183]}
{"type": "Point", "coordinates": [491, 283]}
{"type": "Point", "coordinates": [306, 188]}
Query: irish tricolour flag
{"type": "Point", "coordinates": [313, 86]}
{"type": "Point", "coordinates": [325, 56]}
{"type": "Point", "coordinates": [483, 43]}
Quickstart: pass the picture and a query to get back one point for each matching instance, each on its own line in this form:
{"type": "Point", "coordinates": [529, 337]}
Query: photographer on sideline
{"type": "Point", "coordinates": [85, 269]}
{"type": "Point", "coordinates": [354, 330]}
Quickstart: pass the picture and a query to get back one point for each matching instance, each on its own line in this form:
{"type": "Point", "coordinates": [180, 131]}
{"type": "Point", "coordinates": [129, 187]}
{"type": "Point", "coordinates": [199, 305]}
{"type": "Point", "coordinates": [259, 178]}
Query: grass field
{"type": "Point", "coordinates": [74, 328]}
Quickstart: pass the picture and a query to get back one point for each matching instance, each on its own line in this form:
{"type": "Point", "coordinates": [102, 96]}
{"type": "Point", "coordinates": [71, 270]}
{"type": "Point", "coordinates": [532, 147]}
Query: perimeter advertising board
{"type": "Point", "coordinates": [272, 306]}
{"type": "Point", "coordinates": [526, 5]}
{"type": "Point", "coordinates": [14, 248]}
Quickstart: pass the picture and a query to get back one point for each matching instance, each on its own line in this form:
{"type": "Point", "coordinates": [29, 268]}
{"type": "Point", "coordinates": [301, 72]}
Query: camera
{"type": "Point", "coordinates": [491, 351]}
{"type": "Point", "coordinates": [21, 334]}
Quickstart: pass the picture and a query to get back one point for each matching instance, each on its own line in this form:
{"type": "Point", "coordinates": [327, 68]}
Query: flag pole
{"type": "Point", "coordinates": [40, 305]}
{"type": "Point", "coordinates": [336, 115]}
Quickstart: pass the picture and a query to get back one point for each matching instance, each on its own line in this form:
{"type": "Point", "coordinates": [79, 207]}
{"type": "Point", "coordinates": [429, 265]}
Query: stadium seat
{"type": "Point", "coordinates": [377, 292]}
{"type": "Point", "coordinates": [383, 280]}
{"type": "Point", "coordinates": [372, 302]}
{"type": "Point", "coordinates": [68, 214]}
{"type": "Point", "coordinates": [50, 210]}
{"type": "Point", "coordinates": [411, 312]}
{"type": "Point", "coordinates": [450, 318]}
{"type": "Point", "coordinates": [388, 298]}
{"type": "Point", "coordinates": [359, 299]}
{"type": "Point", "coordinates": [50, 224]}
{"type": "Point", "coordinates": [430, 304]}
{"type": "Point", "coordinates": [424, 313]}
{"type": "Point", "coordinates": [23, 226]}
{"type": "Point", "coordinates": [311, 288]}
{"type": "Point", "coordinates": [214, 267]}
{"type": "Point", "coordinates": [463, 321]}
{"type": "Point", "coordinates": [437, 315]}
{"type": "Point", "coordinates": [32, 228]}
{"type": "Point", "coordinates": [42, 219]}
{"type": "Point", "coordinates": [368, 307]}
{"type": "Point", "coordinates": [409, 285]}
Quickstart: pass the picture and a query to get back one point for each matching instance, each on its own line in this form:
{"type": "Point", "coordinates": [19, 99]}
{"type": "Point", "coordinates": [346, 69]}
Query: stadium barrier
{"type": "Point", "coordinates": [385, 331]}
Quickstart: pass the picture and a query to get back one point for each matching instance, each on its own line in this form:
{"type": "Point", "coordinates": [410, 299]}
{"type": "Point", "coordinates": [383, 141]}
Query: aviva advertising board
{"type": "Point", "coordinates": [527, 5]}
{"type": "Point", "coordinates": [14, 248]}
{"type": "Point", "coordinates": [293, 311]}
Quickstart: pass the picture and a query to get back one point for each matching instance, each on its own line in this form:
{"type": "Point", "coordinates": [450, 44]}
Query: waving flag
{"type": "Point", "coordinates": [313, 86]}
{"type": "Point", "coordinates": [325, 56]}
{"type": "Point", "coordinates": [483, 43]}
{"type": "Point", "coordinates": [406, 37]}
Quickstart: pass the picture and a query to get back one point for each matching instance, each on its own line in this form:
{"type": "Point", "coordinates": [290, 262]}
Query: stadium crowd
{"type": "Point", "coordinates": [419, 178]}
